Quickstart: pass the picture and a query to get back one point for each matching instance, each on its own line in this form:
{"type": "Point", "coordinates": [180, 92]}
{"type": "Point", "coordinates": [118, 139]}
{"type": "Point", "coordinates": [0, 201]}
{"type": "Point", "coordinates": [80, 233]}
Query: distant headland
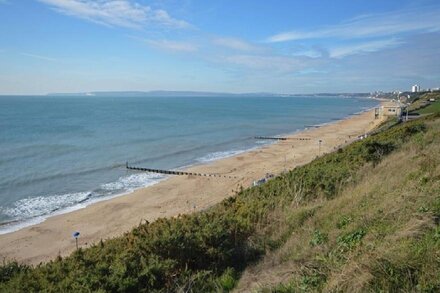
{"type": "Point", "coordinates": [165, 93]}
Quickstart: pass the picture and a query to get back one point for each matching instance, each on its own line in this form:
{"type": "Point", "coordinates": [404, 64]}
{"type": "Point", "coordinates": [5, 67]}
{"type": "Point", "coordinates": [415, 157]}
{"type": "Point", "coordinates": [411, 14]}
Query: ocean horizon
{"type": "Point", "coordinates": [59, 154]}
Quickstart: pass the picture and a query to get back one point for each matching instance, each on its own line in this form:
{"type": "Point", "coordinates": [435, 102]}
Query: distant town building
{"type": "Point", "coordinates": [415, 88]}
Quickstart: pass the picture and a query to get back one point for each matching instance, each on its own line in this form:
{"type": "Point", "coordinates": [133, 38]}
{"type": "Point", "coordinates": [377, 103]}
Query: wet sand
{"type": "Point", "coordinates": [178, 194]}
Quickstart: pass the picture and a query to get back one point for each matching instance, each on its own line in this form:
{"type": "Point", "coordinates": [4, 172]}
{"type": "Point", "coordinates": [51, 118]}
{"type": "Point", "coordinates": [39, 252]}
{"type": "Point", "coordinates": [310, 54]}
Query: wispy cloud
{"type": "Point", "coordinates": [365, 47]}
{"type": "Point", "coordinates": [122, 13]}
{"type": "Point", "coordinates": [374, 25]}
{"type": "Point", "coordinates": [235, 44]}
{"type": "Point", "coordinates": [45, 58]}
{"type": "Point", "coordinates": [309, 53]}
{"type": "Point", "coordinates": [173, 45]}
{"type": "Point", "coordinates": [277, 63]}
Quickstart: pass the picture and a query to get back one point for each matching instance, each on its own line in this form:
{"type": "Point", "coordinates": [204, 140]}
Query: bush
{"type": "Point", "coordinates": [375, 151]}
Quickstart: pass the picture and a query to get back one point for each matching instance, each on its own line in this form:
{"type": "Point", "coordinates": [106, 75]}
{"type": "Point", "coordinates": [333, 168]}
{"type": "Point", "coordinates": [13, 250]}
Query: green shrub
{"type": "Point", "coordinates": [10, 270]}
{"type": "Point", "coordinates": [349, 240]}
{"type": "Point", "coordinates": [375, 151]}
{"type": "Point", "coordinates": [228, 279]}
{"type": "Point", "coordinates": [318, 238]}
{"type": "Point", "coordinates": [312, 281]}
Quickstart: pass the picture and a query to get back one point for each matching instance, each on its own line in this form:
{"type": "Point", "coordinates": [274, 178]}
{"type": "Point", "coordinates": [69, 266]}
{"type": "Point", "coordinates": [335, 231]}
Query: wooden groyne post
{"type": "Point", "coordinates": [282, 138]}
{"type": "Point", "coordinates": [171, 172]}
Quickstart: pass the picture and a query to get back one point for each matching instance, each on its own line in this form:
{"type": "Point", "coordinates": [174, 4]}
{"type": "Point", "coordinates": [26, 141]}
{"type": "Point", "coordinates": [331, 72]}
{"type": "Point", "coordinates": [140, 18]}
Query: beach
{"type": "Point", "coordinates": [178, 194]}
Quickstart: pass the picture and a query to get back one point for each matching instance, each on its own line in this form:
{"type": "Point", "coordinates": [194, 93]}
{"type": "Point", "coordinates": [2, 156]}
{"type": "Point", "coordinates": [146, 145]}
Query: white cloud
{"type": "Point", "coordinates": [258, 62]}
{"type": "Point", "coordinates": [375, 25]}
{"type": "Point", "coordinates": [311, 71]}
{"type": "Point", "coordinates": [366, 47]}
{"type": "Point", "coordinates": [39, 57]}
{"type": "Point", "coordinates": [122, 13]}
{"type": "Point", "coordinates": [308, 53]}
{"type": "Point", "coordinates": [172, 45]}
{"type": "Point", "coordinates": [236, 44]}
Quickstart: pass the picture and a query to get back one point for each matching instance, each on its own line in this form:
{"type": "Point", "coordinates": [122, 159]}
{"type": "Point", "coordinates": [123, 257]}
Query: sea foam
{"type": "Point", "coordinates": [220, 155]}
{"type": "Point", "coordinates": [43, 205]}
{"type": "Point", "coordinates": [133, 181]}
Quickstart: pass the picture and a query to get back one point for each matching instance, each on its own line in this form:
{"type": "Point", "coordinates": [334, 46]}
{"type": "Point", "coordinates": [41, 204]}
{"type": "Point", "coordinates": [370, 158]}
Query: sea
{"type": "Point", "coordinates": [62, 153]}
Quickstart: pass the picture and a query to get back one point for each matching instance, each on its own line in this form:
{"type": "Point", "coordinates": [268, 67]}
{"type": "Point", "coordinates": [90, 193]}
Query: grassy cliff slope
{"type": "Point", "coordinates": [381, 233]}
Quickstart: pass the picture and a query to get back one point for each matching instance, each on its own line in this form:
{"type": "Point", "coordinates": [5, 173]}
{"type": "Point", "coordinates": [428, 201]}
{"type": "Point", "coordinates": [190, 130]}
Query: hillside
{"type": "Point", "coordinates": [379, 234]}
{"type": "Point", "coordinates": [363, 218]}
{"type": "Point", "coordinates": [426, 104]}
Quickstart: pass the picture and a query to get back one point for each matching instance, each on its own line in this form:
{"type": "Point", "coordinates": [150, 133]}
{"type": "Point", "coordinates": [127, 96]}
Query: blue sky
{"type": "Point", "coordinates": [227, 46]}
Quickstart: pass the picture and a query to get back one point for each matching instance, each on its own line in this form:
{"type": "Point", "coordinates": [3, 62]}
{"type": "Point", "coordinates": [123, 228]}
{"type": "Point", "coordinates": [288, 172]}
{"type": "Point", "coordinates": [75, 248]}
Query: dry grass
{"type": "Point", "coordinates": [390, 209]}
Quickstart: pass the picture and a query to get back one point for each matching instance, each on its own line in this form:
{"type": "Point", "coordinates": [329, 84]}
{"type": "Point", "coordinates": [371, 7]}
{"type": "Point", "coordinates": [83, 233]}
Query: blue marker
{"type": "Point", "coordinates": [76, 235]}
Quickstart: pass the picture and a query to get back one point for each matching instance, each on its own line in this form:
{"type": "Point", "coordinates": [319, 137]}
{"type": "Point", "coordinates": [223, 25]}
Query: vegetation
{"type": "Point", "coordinates": [431, 108]}
{"type": "Point", "coordinates": [422, 105]}
{"type": "Point", "coordinates": [329, 222]}
{"type": "Point", "coordinates": [383, 231]}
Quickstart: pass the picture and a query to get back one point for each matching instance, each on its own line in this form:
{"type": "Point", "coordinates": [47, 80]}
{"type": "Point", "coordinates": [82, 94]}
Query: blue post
{"type": "Point", "coordinates": [76, 235]}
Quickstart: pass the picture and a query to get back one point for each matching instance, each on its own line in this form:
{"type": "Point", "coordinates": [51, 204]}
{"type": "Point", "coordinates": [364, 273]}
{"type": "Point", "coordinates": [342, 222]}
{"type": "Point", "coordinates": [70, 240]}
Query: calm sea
{"type": "Point", "coordinates": [59, 154]}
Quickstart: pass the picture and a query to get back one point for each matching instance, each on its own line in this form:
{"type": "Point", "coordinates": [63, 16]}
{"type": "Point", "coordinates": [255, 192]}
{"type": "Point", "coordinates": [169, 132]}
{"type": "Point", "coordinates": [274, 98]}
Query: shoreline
{"type": "Point", "coordinates": [174, 195]}
{"type": "Point", "coordinates": [16, 225]}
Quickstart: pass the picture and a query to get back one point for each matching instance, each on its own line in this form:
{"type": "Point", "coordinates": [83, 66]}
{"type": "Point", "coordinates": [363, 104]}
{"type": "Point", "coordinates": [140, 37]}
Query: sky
{"type": "Point", "coordinates": [237, 46]}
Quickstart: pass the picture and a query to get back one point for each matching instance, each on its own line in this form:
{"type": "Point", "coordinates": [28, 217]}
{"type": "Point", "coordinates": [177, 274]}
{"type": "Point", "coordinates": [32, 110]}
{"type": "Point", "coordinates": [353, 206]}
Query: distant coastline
{"type": "Point", "coordinates": [164, 93]}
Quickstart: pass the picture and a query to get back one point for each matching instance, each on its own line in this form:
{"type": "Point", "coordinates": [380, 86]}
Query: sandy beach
{"type": "Point", "coordinates": [178, 194]}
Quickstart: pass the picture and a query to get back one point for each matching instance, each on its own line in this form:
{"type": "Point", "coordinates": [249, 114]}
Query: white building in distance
{"type": "Point", "coordinates": [415, 88]}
